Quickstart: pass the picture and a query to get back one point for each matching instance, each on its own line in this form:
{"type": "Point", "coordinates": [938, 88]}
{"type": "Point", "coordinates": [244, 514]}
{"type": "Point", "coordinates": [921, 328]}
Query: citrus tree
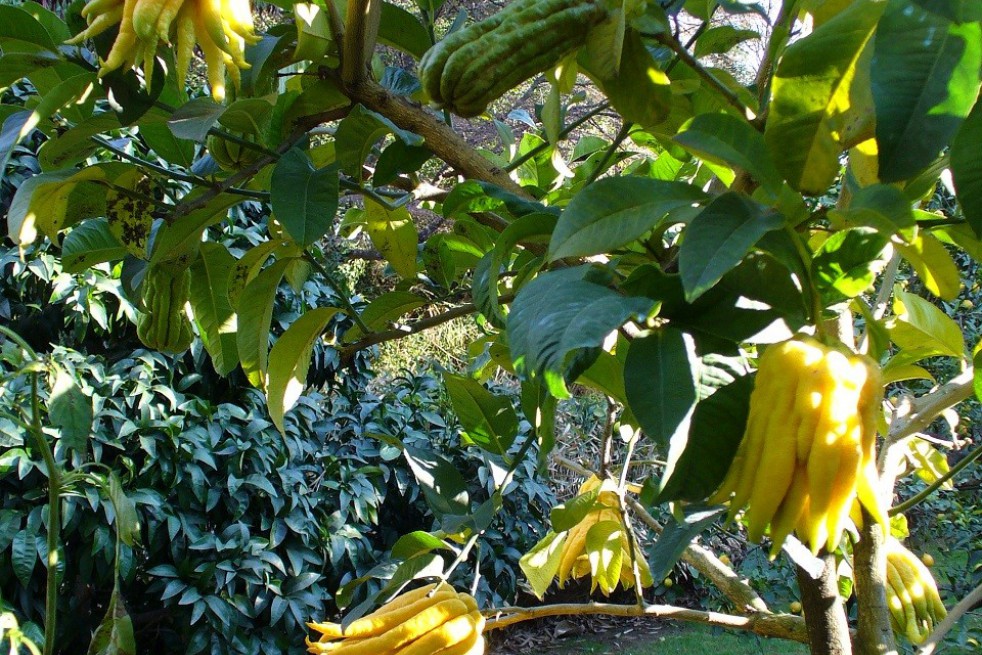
{"type": "Point", "coordinates": [742, 270]}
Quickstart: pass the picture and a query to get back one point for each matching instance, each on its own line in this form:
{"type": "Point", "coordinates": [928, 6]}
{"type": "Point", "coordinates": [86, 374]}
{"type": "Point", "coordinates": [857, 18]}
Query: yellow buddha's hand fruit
{"type": "Point", "coordinates": [221, 28]}
{"type": "Point", "coordinates": [431, 619]}
{"type": "Point", "coordinates": [809, 447]}
{"type": "Point", "coordinates": [575, 561]}
{"type": "Point", "coordinates": [912, 595]}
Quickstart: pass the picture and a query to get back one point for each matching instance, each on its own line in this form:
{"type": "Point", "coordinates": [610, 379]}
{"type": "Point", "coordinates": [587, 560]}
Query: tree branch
{"type": "Point", "coordinates": [874, 635]}
{"type": "Point", "coordinates": [828, 627]}
{"type": "Point", "coordinates": [782, 626]}
{"type": "Point", "coordinates": [929, 406]}
{"type": "Point", "coordinates": [360, 32]}
{"type": "Point", "coordinates": [443, 141]}
{"type": "Point", "coordinates": [728, 95]}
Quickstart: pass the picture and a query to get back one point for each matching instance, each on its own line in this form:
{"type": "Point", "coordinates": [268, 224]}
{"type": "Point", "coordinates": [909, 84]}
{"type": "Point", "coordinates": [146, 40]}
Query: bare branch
{"type": "Point", "coordinates": [782, 626]}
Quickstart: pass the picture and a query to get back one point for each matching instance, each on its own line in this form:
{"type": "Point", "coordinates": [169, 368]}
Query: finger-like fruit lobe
{"type": "Point", "coordinates": [576, 562]}
{"type": "Point", "coordinates": [230, 155]}
{"type": "Point", "coordinates": [808, 451]}
{"type": "Point", "coordinates": [432, 619]}
{"type": "Point", "coordinates": [221, 28]}
{"type": "Point", "coordinates": [474, 66]}
{"type": "Point", "coordinates": [912, 595]}
{"type": "Point", "coordinates": [163, 325]}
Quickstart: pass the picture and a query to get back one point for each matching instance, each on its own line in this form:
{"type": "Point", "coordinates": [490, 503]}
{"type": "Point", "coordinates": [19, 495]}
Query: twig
{"type": "Point", "coordinates": [614, 145]}
{"type": "Point", "coordinates": [783, 626]}
{"type": "Point", "coordinates": [927, 408]}
{"type": "Point", "coordinates": [690, 61]}
{"type": "Point", "coordinates": [569, 129]}
{"type": "Point", "coordinates": [934, 486]}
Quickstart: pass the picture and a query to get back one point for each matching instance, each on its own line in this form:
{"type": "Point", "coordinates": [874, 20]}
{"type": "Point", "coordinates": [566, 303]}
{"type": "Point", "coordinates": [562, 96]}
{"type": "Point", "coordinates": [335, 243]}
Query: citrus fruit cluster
{"type": "Point", "coordinates": [221, 28]}
{"type": "Point", "coordinates": [809, 447]}
{"type": "Point", "coordinates": [432, 620]}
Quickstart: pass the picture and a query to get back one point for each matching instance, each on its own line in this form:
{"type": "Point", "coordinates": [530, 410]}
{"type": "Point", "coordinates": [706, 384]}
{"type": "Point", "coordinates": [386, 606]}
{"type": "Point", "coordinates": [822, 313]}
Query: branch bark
{"type": "Point", "coordinates": [825, 613]}
{"type": "Point", "coordinates": [782, 626]}
{"type": "Point", "coordinates": [360, 33]}
{"type": "Point", "coordinates": [874, 635]}
{"type": "Point", "coordinates": [439, 137]}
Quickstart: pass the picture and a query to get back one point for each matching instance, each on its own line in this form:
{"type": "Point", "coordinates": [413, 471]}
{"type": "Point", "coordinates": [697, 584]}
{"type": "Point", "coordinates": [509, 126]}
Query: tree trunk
{"type": "Point", "coordinates": [825, 613]}
{"type": "Point", "coordinates": [874, 636]}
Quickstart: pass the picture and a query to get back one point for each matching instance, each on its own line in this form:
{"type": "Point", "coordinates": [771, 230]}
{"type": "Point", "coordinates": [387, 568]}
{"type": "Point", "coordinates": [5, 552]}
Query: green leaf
{"type": "Point", "coordinates": [925, 79]}
{"type": "Point", "coordinates": [71, 146]}
{"type": "Point", "coordinates": [131, 218]}
{"type": "Point", "coordinates": [489, 420]}
{"type": "Point", "coordinates": [358, 133]}
{"type": "Point", "coordinates": [615, 211]}
{"type": "Point", "coordinates": [416, 543]}
{"type": "Point", "coordinates": [966, 168]}
{"type": "Point", "coordinates": [213, 314]}
{"type": "Point", "coordinates": [541, 564]}
{"type": "Point", "coordinates": [606, 554]}
{"type": "Point", "coordinates": [934, 266]}
{"type": "Point", "coordinates": [41, 203]}
{"type": "Point", "coordinates": [442, 484]}
{"type": "Point", "coordinates": [531, 228]}
{"type": "Point", "coordinates": [959, 11]}
{"type": "Point", "coordinates": [255, 316]}
{"type": "Point", "coordinates": [248, 266]}
{"type": "Point", "coordinates": [89, 244]}
{"type": "Point", "coordinates": [194, 119]}
{"type": "Point", "coordinates": [847, 263]}
{"type": "Point", "coordinates": [641, 91]}
{"type": "Point", "coordinates": [383, 310]}
{"type": "Point", "coordinates": [922, 327]}
{"type": "Point", "coordinates": [722, 39]}
{"type": "Point", "coordinates": [565, 515]}
{"type": "Point", "coordinates": [24, 555]}
{"type": "Point", "coordinates": [176, 244]}
{"type": "Point", "coordinates": [393, 233]}
{"type": "Point", "coordinates": [69, 409]}
{"type": "Point", "coordinates": [18, 27]}
{"type": "Point", "coordinates": [658, 379]}
{"type": "Point", "coordinates": [304, 199]}
{"type": "Point", "coordinates": [815, 107]}
{"type": "Point", "coordinates": [127, 520]}
{"type": "Point", "coordinates": [401, 30]}
{"type": "Point", "coordinates": [717, 240]}
{"type": "Point", "coordinates": [290, 360]}
{"type": "Point", "coordinates": [675, 538]}
{"type": "Point", "coordinates": [559, 314]}
{"type": "Point", "coordinates": [698, 461]}
{"type": "Point", "coordinates": [114, 636]}
{"type": "Point", "coordinates": [730, 141]}
{"type": "Point", "coordinates": [879, 206]}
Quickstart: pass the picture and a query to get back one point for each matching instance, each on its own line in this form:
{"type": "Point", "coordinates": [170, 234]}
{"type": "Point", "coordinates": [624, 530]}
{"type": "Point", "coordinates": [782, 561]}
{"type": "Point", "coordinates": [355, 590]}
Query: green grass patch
{"type": "Point", "coordinates": [686, 640]}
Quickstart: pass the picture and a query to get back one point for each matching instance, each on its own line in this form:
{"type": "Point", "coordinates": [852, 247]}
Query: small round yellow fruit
{"type": "Point", "coordinates": [795, 607]}
{"type": "Point", "coordinates": [667, 582]}
{"type": "Point", "coordinates": [725, 559]}
{"type": "Point", "coordinates": [967, 304]}
{"type": "Point", "coordinates": [928, 559]}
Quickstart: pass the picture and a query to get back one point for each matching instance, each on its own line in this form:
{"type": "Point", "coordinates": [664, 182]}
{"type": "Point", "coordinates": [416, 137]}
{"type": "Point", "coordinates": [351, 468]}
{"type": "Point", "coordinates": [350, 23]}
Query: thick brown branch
{"type": "Point", "coordinates": [828, 627]}
{"type": "Point", "coordinates": [782, 626]}
{"type": "Point", "coordinates": [874, 635]}
{"type": "Point", "coordinates": [440, 138]}
{"type": "Point", "coordinates": [360, 32]}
